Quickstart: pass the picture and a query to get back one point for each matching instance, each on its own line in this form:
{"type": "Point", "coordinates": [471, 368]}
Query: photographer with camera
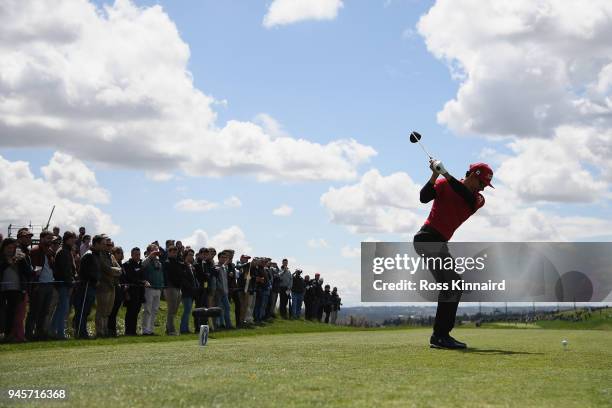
{"type": "Point", "coordinates": [309, 294]}
{"type": "Point", "coordinates": [262, 288]}
{"type": "Point", "coordinates": [154, 274]}
{"type": "Point", "coordinates": [317, 297]}
{"type": "Point", "coordinates": [246, 283]}
{"type": "Point", "coordinates": [327, 303]}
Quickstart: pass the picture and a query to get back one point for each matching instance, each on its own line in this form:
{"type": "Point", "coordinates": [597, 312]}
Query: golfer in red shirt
{"type": "Point", "coordinates": [454, 201]}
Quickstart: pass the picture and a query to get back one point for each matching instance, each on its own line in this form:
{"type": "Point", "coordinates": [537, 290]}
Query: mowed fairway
{"type": "Point", "coordinates": [504, 367]}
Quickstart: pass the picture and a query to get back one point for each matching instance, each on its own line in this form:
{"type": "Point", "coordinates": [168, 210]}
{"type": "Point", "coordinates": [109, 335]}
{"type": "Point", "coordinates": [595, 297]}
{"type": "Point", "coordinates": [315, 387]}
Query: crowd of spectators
{"type": "Point", "coordinates": [42, 285]}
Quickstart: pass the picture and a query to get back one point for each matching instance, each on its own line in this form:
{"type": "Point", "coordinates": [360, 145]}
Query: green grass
{"type": "Point", "coordinates": [596, 321]}
{"type": "Point", "coordinates": [504, 368]}
{"type": "Point", "coordinates": [279, 326]}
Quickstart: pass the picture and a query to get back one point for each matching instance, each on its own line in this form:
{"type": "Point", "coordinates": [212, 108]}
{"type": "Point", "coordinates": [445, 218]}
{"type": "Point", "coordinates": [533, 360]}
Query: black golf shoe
{"type": "Point", "coordinates": [442, 342]}
{"type": "Point", "coordinates": [460, 344]}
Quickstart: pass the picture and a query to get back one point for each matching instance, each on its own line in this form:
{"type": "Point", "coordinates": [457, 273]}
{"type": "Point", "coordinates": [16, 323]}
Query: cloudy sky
{"type": "Point", "coordinates": [279, 127]}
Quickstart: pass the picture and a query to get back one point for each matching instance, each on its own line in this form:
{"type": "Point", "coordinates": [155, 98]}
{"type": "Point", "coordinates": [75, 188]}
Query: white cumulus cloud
{"type": "Point", "coordinates": [232, 202]}
{"type": "Point", "coordinates": [229, 238]}
{"type": "Point", "coordinates": [192, 205]}
{"type": "Point", "coordinates": [390, 204]}
{"type": "Point", "coordinates": [189, 204]}
{"type": "Point", "coordinates": [112, 85]}
{"type": "Point", "coordinates": [505, 217]}
{"type": "Point", "coordinates": [283, 12]}
{"type": "Point", "coordinates": [72, 179]}
{"type": "Point", "coordinates": [540, 74]}
{"type": "Point", "coordinates": [376, 204]}
{"type": "Point", "coordinates": [525, 67]}
{"type": "Point", "coordinates": [350, 252]}
{"type": "Point", "coordinates": [283, 211]}
{"type": "Point", "coordinates": [318, 243]}
{"type": "Point", "coordinates": [552, 170]}
{"type": "Point", "coordinates": [26, 198]}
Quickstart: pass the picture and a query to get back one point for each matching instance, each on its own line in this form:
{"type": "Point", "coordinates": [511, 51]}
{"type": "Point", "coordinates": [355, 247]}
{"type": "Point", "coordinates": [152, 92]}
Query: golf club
{"type": "Point", "coordinates": [415, 137]}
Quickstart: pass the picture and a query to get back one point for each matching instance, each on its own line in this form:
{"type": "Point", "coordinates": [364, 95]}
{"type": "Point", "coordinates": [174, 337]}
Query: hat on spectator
{"type": "Point", "coordinates": [24, 232]}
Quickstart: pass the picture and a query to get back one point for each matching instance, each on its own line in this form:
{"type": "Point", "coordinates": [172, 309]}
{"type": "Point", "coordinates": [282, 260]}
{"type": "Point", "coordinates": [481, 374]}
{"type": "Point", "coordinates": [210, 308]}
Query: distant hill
{"type": "Point", "coordinates": [378, 314]}
{"type": "Point", "coordinates": [580, 319]}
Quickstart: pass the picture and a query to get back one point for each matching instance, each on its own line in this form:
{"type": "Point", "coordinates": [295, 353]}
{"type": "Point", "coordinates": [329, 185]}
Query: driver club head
{"type": "Point", "coordinates": [415, 137]}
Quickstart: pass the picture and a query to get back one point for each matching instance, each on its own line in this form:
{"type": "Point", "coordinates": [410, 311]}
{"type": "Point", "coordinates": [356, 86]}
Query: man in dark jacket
{"type": "Point", "coordinates": [211, 276]}
{"type": "Point", "coordinates": [188, 290]}
{"type": "Point", "coordinates": [297, 294]}
{"type": "Point", "coordinates": [90, 272]}
{"type": "Point", "coordinates": [135, 296]}
{"type": "Point", "coordinates": [336, 302]}
{"type": "Point", "coordinates": [173, 273]}
{"type": "Point", "coordinates": [318, 298]}
{"type": "Point", "coordinates": [42, 289]}
{"type": "Point", "coordinates": [262, 288]}
{"type": "Point", "coordinates": [246, 285]}
{"type": "Point", "coordinates": [309, 294]}
{"type": "Point", "coordinates": [64, 273]}
{"type": "Point", "coordinates": [327, 303]}
{"type": "Point", "coordinates": [79, 239]}
{"type": "Point", "coordinates": [200, 297]}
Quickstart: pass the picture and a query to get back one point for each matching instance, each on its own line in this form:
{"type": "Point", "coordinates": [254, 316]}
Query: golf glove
{"type": "Point", "coordinates": [438, 167]}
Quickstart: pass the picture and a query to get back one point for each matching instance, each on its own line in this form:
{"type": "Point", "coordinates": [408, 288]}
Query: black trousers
{"type": "Point", "coordinates": [133, 307]}
{"type": "Point", "coordinates": [112, 318]}
{"type": "Point", "coordinates": [284, 300]}
{"type": "Point", "coordinates": [236, 299]}
{"type": "Point", "coordinates": [327, 310]}
{"type": "Point", "coordinates": [431, 244]}
{"type": "Point", "coordinates": [269, 308]}
{"type": "Point", "coordinates": [319, 309]}
{"type": "Point", "coordinates": [307, 309]}
{"type": "Point", "coordinates": [40, 302]}
{"type": "Point", "coordinates": [9, 300]}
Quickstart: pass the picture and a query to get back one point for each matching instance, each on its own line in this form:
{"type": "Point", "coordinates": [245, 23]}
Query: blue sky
{"type": "Point", "coordinates": [366, 74]}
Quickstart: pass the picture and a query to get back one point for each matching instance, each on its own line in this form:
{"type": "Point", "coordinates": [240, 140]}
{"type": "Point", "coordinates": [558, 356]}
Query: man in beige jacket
{"type": "Point", "coordinates": [105, 290]}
